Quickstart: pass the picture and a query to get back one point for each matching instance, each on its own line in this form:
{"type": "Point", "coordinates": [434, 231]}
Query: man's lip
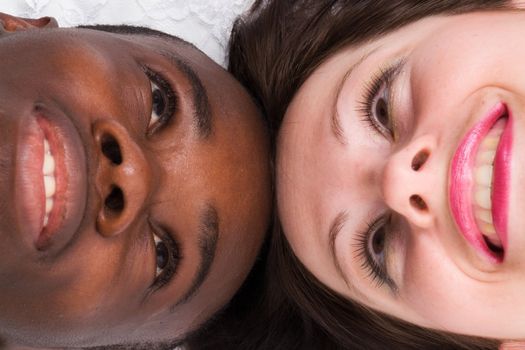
{"type": "Point", "coordinates": [462, 182]}
{"type": "Point", "coordinates": [70, 175]}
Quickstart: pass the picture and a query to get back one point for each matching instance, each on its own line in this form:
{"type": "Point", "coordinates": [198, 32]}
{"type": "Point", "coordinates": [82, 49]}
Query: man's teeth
{"type": "Point", "coordinates": [48, 169]}
{"type": "Point", "coordinates": [483, 173]}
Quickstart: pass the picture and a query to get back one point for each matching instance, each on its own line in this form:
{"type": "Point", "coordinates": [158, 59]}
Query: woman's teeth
{"type": "Point", "coordinates": [48, 169]}
{"type": "Point", "coordinates": [483, 172]}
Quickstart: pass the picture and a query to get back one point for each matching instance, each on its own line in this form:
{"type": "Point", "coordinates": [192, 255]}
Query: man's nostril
{"type": "Point", "coordinates": [420, 159]}
{"type": "Point", "coordinates": [115, 200]}
{"type": "Point", "coordinates": [111, 149]}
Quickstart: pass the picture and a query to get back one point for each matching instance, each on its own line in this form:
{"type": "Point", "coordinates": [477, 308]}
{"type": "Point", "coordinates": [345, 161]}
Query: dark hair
{"type": "Point", "coordinates": [135, 30]}
{"type": "Point", "coordinates": [262, 317]}
{"type": "Point", "coordinates": [273, 49]}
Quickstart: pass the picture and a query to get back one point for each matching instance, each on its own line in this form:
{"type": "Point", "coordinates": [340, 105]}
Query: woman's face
{"type": "Point", "coordinates": [400, 173]}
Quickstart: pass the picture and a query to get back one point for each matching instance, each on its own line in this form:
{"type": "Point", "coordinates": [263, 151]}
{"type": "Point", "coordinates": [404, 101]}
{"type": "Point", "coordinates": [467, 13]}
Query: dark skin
{"type": "Point", "coordinates": [148, 186]}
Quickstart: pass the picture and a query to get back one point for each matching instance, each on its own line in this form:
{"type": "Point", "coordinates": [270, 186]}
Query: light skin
{"type": "Point", "coordinates": [336, 173]}
{"type": "Point", "coordinates": [195, 194]}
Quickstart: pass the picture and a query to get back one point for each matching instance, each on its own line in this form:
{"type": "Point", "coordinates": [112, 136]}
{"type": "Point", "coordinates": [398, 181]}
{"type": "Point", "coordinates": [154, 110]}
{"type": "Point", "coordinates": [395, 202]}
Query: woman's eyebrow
{"type": "Point", "coordinates": [335, 121]}
{"type": "Point", "coordinates": [336, 227]}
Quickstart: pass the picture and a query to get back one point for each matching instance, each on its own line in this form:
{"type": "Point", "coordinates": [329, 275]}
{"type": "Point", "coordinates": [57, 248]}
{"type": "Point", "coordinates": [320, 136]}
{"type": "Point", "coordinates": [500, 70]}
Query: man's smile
{"type": "Point", "coordinates": [51, 179]}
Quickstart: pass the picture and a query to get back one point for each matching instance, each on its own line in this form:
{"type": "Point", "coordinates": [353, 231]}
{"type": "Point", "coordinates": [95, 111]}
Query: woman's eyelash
{"type": "Point", "coordinates": [171, 103]}
{"type": "Point", "coordinates": [380, 80]}
{"type": "Point", "coordinates": [376, 271]}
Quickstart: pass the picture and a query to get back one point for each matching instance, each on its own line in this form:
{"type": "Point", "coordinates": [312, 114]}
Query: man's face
{"type": "Point", "coordinates": [135, 187]}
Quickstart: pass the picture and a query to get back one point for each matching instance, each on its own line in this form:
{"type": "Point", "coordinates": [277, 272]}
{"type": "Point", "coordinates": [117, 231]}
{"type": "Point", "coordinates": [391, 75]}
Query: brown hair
{"type": "Point", "coordinates": [273, 50]}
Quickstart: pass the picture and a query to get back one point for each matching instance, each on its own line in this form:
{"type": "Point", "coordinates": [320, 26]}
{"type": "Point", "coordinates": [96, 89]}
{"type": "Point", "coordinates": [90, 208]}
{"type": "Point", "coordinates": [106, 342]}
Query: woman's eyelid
{"type": "Point", "coordinates": [378, 274]}
{"type": "Point", "coordinates": [394, 95]}
{"type": "Point", "coordinates": [395, 252]}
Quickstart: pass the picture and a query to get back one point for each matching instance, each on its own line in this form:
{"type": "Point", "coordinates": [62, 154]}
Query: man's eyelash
{"type": "Point", "coordinates": [173, 262]}
{"type": "Point", "coordinates": [172, 103]}
{"type": "Point", "coordinates": [376, 273]}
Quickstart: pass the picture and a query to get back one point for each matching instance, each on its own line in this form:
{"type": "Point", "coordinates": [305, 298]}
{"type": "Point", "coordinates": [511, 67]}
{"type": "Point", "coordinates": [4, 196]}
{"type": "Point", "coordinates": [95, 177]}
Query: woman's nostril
{"type": "Point", "coordinates": [418, 202]}
{"type": "Point", "coordinates": [111, 149]}
{"type": "Point", "coordinates": [115, 200]}
{"type": "Point", "coordinates": [420, 159]}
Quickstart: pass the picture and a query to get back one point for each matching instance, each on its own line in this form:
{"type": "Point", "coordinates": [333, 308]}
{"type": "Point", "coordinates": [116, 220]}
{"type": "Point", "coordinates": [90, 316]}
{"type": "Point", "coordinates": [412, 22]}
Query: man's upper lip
{"type": "Point", "coordinates": [462, 183]}
{"type": "Point", "coordinates": [70, 174]}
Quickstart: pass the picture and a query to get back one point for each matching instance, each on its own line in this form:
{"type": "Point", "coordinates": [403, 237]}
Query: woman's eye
{"type": "Point", "coordinates": [372, 248]}
{"type": "Point", "coordinates": [377, 244]}
{"type": "Point", "coordinates": [380, 109]}
{"type": "Point", "coordinates": [162, 255]}
{"type": "Point", "coordinates": [375, 106]}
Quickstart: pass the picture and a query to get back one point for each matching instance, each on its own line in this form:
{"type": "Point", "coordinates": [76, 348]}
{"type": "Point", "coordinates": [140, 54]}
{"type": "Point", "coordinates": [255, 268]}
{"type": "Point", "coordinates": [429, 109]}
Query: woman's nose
{"type": "Point", "coordinates": [123, 177]}
{"type": "Point", "coordinates": [409, 182]}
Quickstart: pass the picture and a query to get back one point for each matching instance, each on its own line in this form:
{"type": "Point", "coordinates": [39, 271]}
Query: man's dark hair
{"type": "Point", "coordinates": [135, 30]}
{"type": "Point", "coordinates": [273, 49]}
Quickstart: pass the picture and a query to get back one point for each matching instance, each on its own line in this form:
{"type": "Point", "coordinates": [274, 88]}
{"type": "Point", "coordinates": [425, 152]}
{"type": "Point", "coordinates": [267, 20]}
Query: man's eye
{"type": "Point", "coordinates": [163, 255]}
{"type": "Point", "coordinates": [158, 105]}
{"type": "Point", "coordinates": [164, 101]}
{"type": "Point", "coordinates": [167, 257]}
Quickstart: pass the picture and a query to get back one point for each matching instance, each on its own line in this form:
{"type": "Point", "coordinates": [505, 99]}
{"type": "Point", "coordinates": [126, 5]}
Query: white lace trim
{"type": "Point", "coordinates": [205, 23]}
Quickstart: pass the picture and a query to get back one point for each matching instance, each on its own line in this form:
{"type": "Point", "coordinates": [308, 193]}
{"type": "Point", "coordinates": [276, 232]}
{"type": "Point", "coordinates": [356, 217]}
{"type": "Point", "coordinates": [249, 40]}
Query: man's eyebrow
{"type": "Point", "coordinates": [335, 122]}
{"type": "Point", "coordinates": [208, 238]}
{"type": "Point", "coordinates": [202, 115]}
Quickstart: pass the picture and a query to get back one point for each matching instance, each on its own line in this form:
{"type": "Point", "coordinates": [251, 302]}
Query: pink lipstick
{"type": "Point", "coordinates": [479, 192]}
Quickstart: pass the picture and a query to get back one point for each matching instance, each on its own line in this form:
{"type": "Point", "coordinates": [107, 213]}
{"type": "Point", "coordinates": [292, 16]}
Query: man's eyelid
{"type": "Point", "coordinates": [173, 266]}
{"type": "Point", "coordinates": [170, 93]}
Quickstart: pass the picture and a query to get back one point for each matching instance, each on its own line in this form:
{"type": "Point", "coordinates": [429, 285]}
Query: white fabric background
{"type": "Point", "coordinates": [205, 23]}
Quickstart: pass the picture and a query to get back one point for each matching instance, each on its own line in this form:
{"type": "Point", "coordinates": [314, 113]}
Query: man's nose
{"type": "Point", "coordinates": [409, 182]}
{"type": "Point", "coordinates": [122, 179]}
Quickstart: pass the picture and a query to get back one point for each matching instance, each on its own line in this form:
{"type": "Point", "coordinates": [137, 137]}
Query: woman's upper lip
{"type": "Point", "coordinates": [462, 184]}
{"type": "Point", "coordinates": [68, 201]}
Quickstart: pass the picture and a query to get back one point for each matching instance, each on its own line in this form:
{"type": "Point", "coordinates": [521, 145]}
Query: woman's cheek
{"type": "Point", "coordinates": [428, 274]}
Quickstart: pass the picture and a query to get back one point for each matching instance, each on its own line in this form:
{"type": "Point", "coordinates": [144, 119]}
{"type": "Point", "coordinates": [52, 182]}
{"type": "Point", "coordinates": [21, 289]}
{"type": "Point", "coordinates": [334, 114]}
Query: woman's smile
{"type": "Point", "coordinates": [409, 160]}
{"type": "Point", "coordinates": [479, 182]}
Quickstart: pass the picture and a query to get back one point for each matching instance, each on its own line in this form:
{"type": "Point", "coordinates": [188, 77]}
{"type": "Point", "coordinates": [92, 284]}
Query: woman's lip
{"type": "Point", "coordinates": [70, 175]}
{"type": "Point", "coordinates": [461, 181]}
{"type": "Point", "coordinates": [501, 182]}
